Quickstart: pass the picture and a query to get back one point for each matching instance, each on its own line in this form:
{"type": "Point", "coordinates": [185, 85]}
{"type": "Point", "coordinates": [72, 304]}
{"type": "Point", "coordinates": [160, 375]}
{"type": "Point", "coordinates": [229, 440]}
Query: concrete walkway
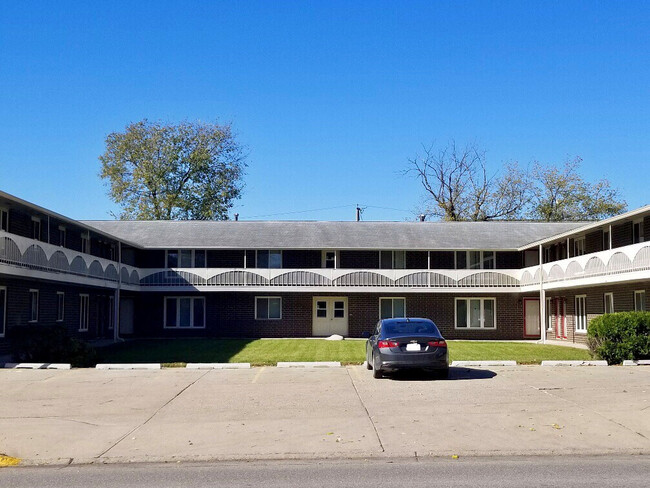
{"type": "Point", "coordinates": [85, 415]}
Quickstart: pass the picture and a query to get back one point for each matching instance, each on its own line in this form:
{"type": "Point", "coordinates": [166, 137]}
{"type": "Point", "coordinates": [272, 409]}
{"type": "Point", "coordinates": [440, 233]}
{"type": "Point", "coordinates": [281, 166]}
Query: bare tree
{"type": "Point", "coordinates": [459, 187]}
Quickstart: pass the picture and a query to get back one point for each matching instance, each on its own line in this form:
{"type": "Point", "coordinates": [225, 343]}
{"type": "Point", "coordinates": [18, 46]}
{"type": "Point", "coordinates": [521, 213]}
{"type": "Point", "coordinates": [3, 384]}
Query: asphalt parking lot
{"type": "Point", "coordinates": [87, 415]}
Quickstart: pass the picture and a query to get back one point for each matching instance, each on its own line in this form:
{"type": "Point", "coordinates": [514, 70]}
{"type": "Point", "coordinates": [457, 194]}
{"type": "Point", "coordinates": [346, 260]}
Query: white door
{"type": "Point", "coordinates": [127, 309]}
{"type": "Point", "coordinates": [531, 317]}
{"type": "Point", "coordinates": [330, 316]}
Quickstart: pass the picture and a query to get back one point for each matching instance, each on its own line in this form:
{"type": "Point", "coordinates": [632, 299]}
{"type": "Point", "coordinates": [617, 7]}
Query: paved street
{"type": "Point", "coordinates": [85, 415]}
{"type": "Point", "coordinates": [471, 472]}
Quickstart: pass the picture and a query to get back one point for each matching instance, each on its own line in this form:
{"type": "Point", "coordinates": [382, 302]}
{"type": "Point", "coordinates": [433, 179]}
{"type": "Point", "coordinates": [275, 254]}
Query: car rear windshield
{"type": "Point", "coordinates": [410, 328]}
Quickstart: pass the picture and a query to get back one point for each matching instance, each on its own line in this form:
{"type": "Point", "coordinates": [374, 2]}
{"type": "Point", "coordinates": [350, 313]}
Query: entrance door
{"type": "Point", "coordinates": [560, 318]}
{"type": "Point", "coordinates": [330, 316]}
{"type": "Point", "coordinates": [531, 317]}
{"type": "Point", "coordinates": [127, 309]}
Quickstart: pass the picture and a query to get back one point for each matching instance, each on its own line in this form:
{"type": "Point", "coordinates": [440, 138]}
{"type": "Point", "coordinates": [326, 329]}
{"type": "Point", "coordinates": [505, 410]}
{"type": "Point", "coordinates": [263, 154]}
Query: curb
{"type": "Point", "coordinates": [574, 363]}
{"type": "Point", "coordinates": [129, 366]}
{"type": "Point", "coordinates": [218, 365]}
{"type": "Point", "coordinates": [309, 364]}
{"type": "Point", "coordinates": [636, 362]}
{"type": "Point", "coordinates": [37, 366]}
{"type": "Point", "coordinates": [483, 363]}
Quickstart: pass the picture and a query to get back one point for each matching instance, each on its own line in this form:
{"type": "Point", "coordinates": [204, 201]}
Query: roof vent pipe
{"type": "Point", "coordinates": [236, 217]}
{"type": "Point", "coordinates": [422, 217]}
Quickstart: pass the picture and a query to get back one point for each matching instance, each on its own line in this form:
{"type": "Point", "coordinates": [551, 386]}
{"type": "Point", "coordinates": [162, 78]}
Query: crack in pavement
{"type": "Point", "coordinates": [50, 417]}
{"type": "Point", "coordinates": [374, 427]}
{"type": "Point", "coordinates": [151, 416]}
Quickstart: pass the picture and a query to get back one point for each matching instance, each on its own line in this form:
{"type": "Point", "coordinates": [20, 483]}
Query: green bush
{"type": "Point", "coordinates": [49, 344]}
{"type": "Point", "coordinates": [619, 336]}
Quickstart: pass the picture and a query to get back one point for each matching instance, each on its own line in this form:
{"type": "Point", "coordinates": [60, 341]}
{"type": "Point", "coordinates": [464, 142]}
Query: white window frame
{"type": "Point", "coordinates": [641, 235]}
{"type": "Point", "coordinates": [4, 211]}
{"type": "Point", "coordinates": [579, 246]}
{"type": "Point", "coordinates": [193, 300]}
{"type": "Point", "coordinates": [3, 312]}
{"type": "Point", "coordinates": [268, 308]}
{"type": "Point", "coordinates": [193, 258]}
{"type": "Point", "coordinates": [34, 292]}
{"type": "Point", "coordinates": [608, 302]}
{"type": "Point", "coordinates": [392, 307]}
{"type": "Point", "coordinates": [580, 321]}
{"type": "Point", "coordinates": [60, 306]}
{"type": "Point", "coordinates": [642, 294]}
{"type": "Point", "coordinates": [324, 258]}
{"type": "Point", "coordinates": [393, 258]}
{"type": "Point", "coordinates": [85, 242]}
{"type": "Point", "coordinates": [481, 261]}
{"type": "Point", "coordinates": [482, 318]}
{"type": "Point", "coordinates": [62, 233]}
{"type": "Point", "coordinates": [84, 312]}
{"type": "Point", "coordinates": [37, 220]}
{"type": "Point", "coordinates": [549, 314]}
{"type": "Point", "coordinates": [257, 261]}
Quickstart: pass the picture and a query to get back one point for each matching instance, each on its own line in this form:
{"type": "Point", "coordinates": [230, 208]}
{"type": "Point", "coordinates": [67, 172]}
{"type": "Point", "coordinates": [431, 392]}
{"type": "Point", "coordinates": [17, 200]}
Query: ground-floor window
{"type": "Point", "coordinates": [268, 308]}
{"type": "Point", "coordinates": [84, 312]}
{"type": "Point", "coordinates": [390, 308]}
{"type": "Point", "coordinates": [639, 300]}
{"type": "Point", "coordinates": [3, 310]}
{"type": "Point", "coordinates": [476, 313]}
{"type": "Point", "coordinates": [609, 302]}
{"type": "Point", "coordinates": [60, 306]}
{"type": "Point", "coordinates": [185, 312]}
{"type": "Point", "coordinates": [33, 305]}
{"type": "Point", "coordinates": [549, 313]}
{"type": "Point", "coordinates": [581, 313]}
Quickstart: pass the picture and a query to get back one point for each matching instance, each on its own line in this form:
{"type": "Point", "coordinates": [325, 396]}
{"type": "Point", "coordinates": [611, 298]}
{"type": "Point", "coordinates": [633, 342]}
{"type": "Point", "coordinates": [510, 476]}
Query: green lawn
{"type": "Point", "coordinates": [269, 351]}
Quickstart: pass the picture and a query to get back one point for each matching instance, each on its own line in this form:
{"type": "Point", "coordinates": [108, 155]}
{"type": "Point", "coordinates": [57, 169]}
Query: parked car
{"type": "Point", "coordinates": [407, 343]}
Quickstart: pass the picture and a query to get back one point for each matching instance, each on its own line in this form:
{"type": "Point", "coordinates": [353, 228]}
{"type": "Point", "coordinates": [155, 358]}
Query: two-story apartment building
{"type": "Point", "coordinates": [476, 280]}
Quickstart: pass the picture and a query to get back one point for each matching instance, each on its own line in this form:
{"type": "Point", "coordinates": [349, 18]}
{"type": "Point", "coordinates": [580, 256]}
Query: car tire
{"type": "Point", "coordinates": [368, 360]}
{"type": "Point", "coordinates": [376, 372]}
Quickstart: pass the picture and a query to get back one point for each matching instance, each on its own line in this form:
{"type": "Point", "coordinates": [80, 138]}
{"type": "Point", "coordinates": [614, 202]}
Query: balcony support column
{"type": "Point", "coordinates": [542, 297]}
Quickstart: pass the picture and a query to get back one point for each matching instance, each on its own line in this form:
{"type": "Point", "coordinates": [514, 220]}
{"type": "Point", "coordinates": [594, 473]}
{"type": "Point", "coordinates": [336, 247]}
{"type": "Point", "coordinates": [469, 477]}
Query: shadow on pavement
{"type": "Point", "coordinates": [454, 374]}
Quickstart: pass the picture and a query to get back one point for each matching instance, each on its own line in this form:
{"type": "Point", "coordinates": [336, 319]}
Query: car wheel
{"type": "Point", "coordinates": [376, 372]}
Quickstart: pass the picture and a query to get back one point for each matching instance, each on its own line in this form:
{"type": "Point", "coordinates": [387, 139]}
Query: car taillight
{"type": "Point", "coordinates": [382, 344]}
{"type": "Point", "coordinates": [440, 343]}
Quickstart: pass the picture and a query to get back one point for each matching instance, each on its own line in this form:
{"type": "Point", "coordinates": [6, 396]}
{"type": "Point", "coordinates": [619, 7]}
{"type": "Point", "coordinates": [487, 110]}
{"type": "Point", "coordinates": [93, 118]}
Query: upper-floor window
{"type": "Point", "coordinates": [392, 259]}
{"type": "Point", "coordinates": [61, 236]}
{"type": "Point", "coordinates": [637, 232]}
{"type": "Point", "coordinates": [268, 259]}
{"type": "Point", "coordinates": [475, 260]}
{"type": "Point", "coordinates": [606, 243]}
{"type": "Point", "coordinates": [36, 228]}
{"type": "Point", "coordinates": [4, 219]}
{"type": "Point", "coordinates": [330, 259]}
{"type": "Point", "coordinates": [579, 246]}
{"type": "Point", "coordinates": [85, 242]}
{"type": "Point", "coordinates": [185, 258]}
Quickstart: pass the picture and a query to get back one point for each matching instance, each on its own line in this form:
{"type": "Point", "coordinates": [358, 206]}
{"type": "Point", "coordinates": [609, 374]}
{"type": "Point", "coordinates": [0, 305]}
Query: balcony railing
{"type": "Point", "coordinates": [329, 278]}
{"type": "Point", "coordinates": [613, 262]}
{"type": "Point", "coordinates": [40, 256]}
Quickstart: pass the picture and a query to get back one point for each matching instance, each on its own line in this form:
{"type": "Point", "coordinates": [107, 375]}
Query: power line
{"type": "Point", "coordinates": [298, 211]}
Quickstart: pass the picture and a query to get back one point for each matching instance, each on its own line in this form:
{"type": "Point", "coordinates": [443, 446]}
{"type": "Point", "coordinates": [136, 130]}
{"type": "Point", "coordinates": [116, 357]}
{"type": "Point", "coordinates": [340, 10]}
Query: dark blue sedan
{"type": "Point", "coordinates": [407, 343]}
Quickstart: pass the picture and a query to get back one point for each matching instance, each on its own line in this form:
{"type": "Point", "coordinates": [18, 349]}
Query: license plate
{"type": "Point", "coordinates": [413, 347]}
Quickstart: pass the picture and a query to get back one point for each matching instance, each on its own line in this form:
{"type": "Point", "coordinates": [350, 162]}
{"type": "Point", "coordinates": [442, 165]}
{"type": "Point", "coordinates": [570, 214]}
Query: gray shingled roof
{"type": "Point", "coordinates": [331, 235]}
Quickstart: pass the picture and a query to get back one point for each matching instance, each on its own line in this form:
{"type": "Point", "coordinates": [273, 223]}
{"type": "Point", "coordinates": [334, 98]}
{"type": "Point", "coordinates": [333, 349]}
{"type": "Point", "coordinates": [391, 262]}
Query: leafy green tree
{"type": "Point", "coordinates": [560, 193]}
{"type": "Point", "coordinates": [190, 170]}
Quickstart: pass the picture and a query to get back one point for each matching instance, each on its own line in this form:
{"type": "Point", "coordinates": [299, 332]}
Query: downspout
{"type": "Point", "coordinates": [542, 297]}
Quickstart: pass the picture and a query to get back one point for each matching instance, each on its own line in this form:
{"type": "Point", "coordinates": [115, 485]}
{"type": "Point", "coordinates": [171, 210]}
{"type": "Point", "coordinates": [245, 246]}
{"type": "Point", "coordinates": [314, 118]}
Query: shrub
{"type": "Point", "coordinates": [49, 344]}
{"type": "Point", "coordinates": [619, 336]}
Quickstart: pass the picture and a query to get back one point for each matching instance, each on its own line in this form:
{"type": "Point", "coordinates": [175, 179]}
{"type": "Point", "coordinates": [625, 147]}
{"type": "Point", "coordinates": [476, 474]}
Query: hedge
{"type": "Point", "coordinates": [619, 336]}
{"type": "Point", "coordinates": [49, 344]}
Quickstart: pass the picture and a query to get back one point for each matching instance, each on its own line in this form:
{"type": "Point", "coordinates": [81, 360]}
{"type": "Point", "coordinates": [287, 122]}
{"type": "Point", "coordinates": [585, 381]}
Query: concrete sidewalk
{"type": "Point", "coordinates": [85, 415]}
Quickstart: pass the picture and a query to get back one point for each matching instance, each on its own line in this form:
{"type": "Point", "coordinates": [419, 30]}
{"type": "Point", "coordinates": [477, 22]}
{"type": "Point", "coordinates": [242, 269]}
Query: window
{"type": "Point", "coordinates": [639, 301]}
{"type": "Point", "coordinates": [579, 246]}
{"type": "Point", "coordinates": [608, 299]}
{"type": "Point", "coordinates": [637, 232]}
{"type": "Point", "coordinates": [33, 305]}
{"type": "Point", "coordinates": [475, 313]}
{"type": "Point", "coordinates": [185, 258]}
{"type": "Point", "coordinates": [330, 259]}
{"type": "Point", "coordinates": [475, 260]}
{"type": "Point", "coordinates": [390, 308]}
{"type": "Point", "coordinates": [3, 310]}
{"type": "Point", "coordinates": [549, 313]}
{"type": "Point", "coordinates": [547, 254]}
{"type": "Point", "coordinates": [269, 259]}
{"type": "Point", "coordinates": [84, 312]}
{"type": "Point", "coordinates": [85, 243]}
{"type": "Point", "coordinates": [4, 219]}
{"type": "Point", "coordinates": [392, 259]}
{"type": "Point", "coordinates": [270, 308]}
{"type": "Point", "coordinates": [61, 236]}
{"type": "Point", "coordinates": [36, 228]}
{"type": "Point", "coordinates": [185, 312]}
{"type": "Point", "coordinates": [606, 243]}
{"type": "Point", "coordinates": [581, 313]}
{"type": "Point", "coordinates": [60, 306]}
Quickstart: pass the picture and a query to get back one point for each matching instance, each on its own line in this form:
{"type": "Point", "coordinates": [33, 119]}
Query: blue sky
{"type": "Point", "coordinates": [330, 98]}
